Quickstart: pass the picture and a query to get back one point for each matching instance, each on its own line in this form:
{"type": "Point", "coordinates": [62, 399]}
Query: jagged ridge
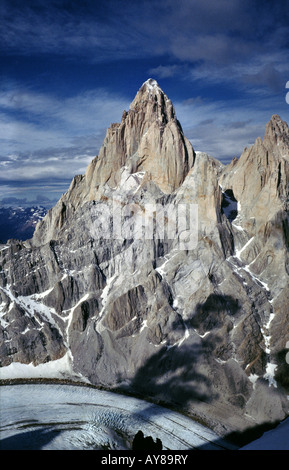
{"type": "Point", "coordinates": [200, 329]}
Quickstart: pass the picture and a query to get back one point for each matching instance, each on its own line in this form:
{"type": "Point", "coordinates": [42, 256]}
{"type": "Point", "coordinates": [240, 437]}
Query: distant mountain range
{"type": "Point", "coordinates": [19, 222]}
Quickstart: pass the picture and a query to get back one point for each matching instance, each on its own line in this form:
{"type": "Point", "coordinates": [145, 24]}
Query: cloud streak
{"type": "Point", "coordinates": [199, 29]}
{"type": "Point", "coordinates": [213, 40]}
{"type": "Point", "coordinates": [226, 63]}
{"type": "Point", "coordinates": [224, 128]}
{"type": "Point", "coordinates": [44, 137]}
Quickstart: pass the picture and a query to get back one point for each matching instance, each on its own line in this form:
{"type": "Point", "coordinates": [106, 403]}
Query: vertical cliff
{"type": "Point", "coordinates": [202, 328]}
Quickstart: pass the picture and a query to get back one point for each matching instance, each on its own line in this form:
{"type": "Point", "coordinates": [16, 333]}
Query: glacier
{"type": "Point", "coordinates": [47, 416]}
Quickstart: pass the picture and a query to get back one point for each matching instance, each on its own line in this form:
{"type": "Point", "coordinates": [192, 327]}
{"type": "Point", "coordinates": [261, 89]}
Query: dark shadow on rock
{"type": "Point", "coordinates": [282, 370]}
{"type": "Point", "coordinates": [219, 303]}
{"type": "Point", "coordinates": [29, 440]}
{"type": "Point", "coordinates": [229, 205]}
{"type": "Point", "coordinates": [140, 442]}
{"type": "Point", "coordinates": [212, 312]}
{"type": "Point", "coordinates": [174, 376]}
{"type": "Point", "coordinates": [173, 379]}
{"type": "Point", "coordinates": [180, 375]}
{"type": "Point", "coordinates": [240, 439]}
{"type": "Point", "coordinates": [171, 373]}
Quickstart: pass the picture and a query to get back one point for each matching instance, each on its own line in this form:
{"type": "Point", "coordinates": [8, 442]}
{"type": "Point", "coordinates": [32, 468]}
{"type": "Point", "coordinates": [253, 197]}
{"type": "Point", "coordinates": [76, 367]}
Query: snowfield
{"type": "Point", "coordinates": [72, 417]}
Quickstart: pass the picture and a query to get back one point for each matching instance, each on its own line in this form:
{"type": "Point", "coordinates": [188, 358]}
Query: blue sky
{"type": "Point", "coordinates": [70, 68]}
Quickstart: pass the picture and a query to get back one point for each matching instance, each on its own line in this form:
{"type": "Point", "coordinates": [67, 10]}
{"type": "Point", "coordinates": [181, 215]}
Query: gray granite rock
{"type": "Point", "coordinates": [200, 327]}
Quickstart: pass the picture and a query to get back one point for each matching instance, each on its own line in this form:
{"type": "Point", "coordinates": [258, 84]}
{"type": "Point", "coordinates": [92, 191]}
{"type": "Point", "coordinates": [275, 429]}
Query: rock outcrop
{"type": "Point", "coordinates": [202, 328]}
{"type": "Point", "coordinates": [148, 142]}
{"type": "Point", "coordinates": [149, 139]}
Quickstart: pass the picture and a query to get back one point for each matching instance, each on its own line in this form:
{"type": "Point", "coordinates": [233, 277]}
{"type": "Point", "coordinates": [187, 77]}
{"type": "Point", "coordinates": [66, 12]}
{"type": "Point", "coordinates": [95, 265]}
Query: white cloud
{"type": "Point", "coordinates": [106, 32]}
{"type": "Point", "coordinates": [40, 133]}
{"type": "Point", "coordinates": [240, 44]}
{"type": "Point", "coordinates": [223, 129]}
{"type": "Point", "coordinates": [90, 110]}
{"type": "Point", "coordinates": [44, 137]}
{"type": "Point", "coordinates": [165, 71]}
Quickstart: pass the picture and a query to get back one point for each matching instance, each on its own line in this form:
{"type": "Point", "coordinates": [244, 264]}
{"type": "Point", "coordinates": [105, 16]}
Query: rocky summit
{"type": "Point", "coordinates": [110, 282]}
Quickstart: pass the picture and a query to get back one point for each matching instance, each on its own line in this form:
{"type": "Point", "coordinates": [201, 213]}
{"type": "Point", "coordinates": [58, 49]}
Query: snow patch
{"type": "Point", "coordinates": [238, 252]}
{"type": "Point", "coordinates": [180, 341]}
{"type": "Point", "coordinates": [105, 292]}
{"type": "Point", "coordinates": [161, 269]}
{"type": "Point", "coordinates": [59, 368]}
{"type": "Point", "coordinates": [271, 317]}
{"type": "Point", "coordinates": [176, 302]}
{"type": "Point", "coordinates": [152, 85]}
{"type": "Point", "coordinates": [144, 325]}
{"type": "Point", "coordinates": [5, 248]}
{"type": "Point", "coordinates": [32, 306]}
{"type": "Point", "coordinates": [256, 279]}
{"type": "Point", "coordinates": [270, 374]}
{"type": "Point", "coordinates": [130, 181]}
{"type": "Point", "coordinates": [253, 379]}
{"type": "Point", "coordinates": [238, 227]}
{"type": "Point", "coordinates": [42, 294]}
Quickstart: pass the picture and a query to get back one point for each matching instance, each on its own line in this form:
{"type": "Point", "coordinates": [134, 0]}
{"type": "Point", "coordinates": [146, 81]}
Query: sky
{"type": "Point", "coordinates": [70, 68]}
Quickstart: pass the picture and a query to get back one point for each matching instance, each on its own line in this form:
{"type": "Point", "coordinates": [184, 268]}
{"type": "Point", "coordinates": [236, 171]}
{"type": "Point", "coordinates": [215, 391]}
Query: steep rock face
{"type": "Point", "coordinates": [201, 327]}
{"type": "Point", "coordinates": [259, 181]}
{"type": "Point", "coordinates": [149, 141]}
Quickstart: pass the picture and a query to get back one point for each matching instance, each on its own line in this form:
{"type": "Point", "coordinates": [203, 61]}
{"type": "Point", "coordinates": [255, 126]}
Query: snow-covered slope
{"type": "Point", "coordinates": [68, 417]}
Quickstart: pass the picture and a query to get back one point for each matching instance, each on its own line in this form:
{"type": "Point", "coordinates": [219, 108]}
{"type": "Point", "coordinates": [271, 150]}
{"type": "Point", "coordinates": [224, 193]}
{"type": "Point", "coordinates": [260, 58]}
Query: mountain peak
{"type": "Point", "coordinates": [149, 139]}
{"type": "Point", "coordinates": [151, 83]}
{"type": "Point", "coordinates": [275, 117]}
{"type": "Point", "coordinates": [278, 125]}
{"type": "Point", "coordinates": [153, 103]}
{"type": "Point", "coordinates": [277, 133]}
{"type": "Point", "coordinates": [151, 87]}
{"type": "Point", "coordinates": [140, 306]}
